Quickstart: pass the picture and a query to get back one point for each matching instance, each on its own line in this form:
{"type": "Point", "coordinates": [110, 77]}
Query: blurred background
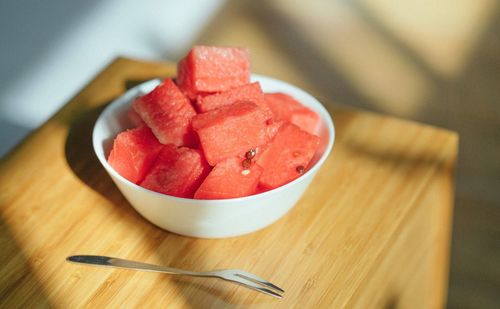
{"type": "Point", "coordinates": [436, 62]}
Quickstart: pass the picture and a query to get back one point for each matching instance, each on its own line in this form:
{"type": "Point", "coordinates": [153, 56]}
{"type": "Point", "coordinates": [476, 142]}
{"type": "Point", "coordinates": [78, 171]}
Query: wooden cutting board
{"type": "Point", "coordinates": [373, 229]}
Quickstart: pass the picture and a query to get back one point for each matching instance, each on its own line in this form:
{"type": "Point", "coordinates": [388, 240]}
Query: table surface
{"type": "Point", "coordinates": [355, 235]}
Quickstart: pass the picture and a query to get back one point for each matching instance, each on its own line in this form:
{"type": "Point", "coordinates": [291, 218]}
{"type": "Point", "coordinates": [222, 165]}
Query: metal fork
{"type": "Point", "coordinates": [237, 276]}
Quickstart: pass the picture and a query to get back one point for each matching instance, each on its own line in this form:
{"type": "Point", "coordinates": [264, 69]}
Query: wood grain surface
{"type": "Point", "coordinates": [371, 231]}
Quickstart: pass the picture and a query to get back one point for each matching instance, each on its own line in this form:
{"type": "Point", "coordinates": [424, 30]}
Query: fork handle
{"type": "Point", "coordinates": [127, 264]}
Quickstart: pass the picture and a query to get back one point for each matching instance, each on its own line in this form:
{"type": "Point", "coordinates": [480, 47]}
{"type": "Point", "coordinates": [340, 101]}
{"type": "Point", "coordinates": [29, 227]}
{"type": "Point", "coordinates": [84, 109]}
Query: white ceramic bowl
{"type": "Point", "coordinates": [210, 218]}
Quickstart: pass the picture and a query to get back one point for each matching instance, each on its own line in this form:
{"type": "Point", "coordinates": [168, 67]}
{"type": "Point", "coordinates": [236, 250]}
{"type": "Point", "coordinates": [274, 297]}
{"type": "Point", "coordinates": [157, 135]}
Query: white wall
{"type": "Point", "coordinates": [50, 49]}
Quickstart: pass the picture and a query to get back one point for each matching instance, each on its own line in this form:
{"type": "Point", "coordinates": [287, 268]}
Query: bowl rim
{"type": "Point", "coordinates": [123, 100]}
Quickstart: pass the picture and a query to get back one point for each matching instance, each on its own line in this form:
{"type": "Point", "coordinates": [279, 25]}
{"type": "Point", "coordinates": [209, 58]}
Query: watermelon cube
{"type": "Point", "coordinates": [177, 172]}
{"type": "Point", "coordinates": [249, 92]}
{"type": "Point", "coordinates": [230, 131]}
{"type": "Point", "coordinates": [184, 79]}
{"type": "Point", "coordinates": [287, 156]}
{"type": "Point", "coordinates": [213, 69]}
{"type": "Point", "coordinates": [134, 118]}
{"type": "Point", "coordinates": [168, 113]}
{"type": "Point", "coordinates": [286, 108]}
{"type": "Point", "coordinates": [272, 128]}
{"type": "Point", "coordinates": [229, 179]}
{"type": "Point", "coordinates": [134, 152]}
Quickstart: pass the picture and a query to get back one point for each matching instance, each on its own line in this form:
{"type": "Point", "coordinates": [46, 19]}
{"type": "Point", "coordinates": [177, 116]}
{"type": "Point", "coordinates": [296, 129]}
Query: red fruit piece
{"type": "Point", "coordinates": [287, 156]}
{"type": "Point", "coordinates": [184, 79]}
{"type": "Point", "coordinates": [134, 152]}
{"type": "Point", "coordinates": [177, 172]}
{"type": "Point", "coordinates": [134, 118]}
{"type": "Point", "coordinates": [273, 128]}
{"type": "Point", "coordinates": [229, 179]}
{"type": "Point", "coordinates": [168, 113]}
{"type": "Point", "coordinates": [286, 108]}
{"type": "Point", "coordinates": [213, 69]}
{"type": "Point", "coordinates": [249, 92]}
{"type": "Point", "coordinates": [230, 131]}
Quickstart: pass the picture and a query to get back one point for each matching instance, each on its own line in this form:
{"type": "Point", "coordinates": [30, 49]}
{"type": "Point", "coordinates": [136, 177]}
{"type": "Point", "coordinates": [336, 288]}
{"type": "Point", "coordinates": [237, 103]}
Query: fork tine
{"type": "Point", "coordinates": [257, 279]}
{"type": "Point", "coordinates": [254, 286]}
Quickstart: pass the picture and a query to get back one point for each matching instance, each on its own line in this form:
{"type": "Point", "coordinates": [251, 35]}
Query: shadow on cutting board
{"type": "Point", "coordinates": [81, 158]}
{"type": "Point", "coordinates": [18, 279]}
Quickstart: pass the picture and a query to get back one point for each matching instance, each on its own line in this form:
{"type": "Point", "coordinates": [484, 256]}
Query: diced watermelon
{"type": "Point", "coordinates": [287, 156]}
{"type": "Point", "coordinates": [177, 172]}
{"type": "Point", "coordinates": [230, 131]}
{"type": "Point", "coordinates": [229, 179]}
{"type": "Point", "coordinates": [249, 92]}
{"type": "Point", "coordinates": [184, 79]}
{"type": "Point", "coordinates": [273, 128]}
{"type": "Point", "coordinates": [213, 69]}
{"type": "Point", "coordinates": [168, 113]}
{"type": "Point", "coordinates": [134, 152]}
{"type": "Point", "coordinates": [134, 118]}
{"type": "Point", "coordinates": [285, 107]}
